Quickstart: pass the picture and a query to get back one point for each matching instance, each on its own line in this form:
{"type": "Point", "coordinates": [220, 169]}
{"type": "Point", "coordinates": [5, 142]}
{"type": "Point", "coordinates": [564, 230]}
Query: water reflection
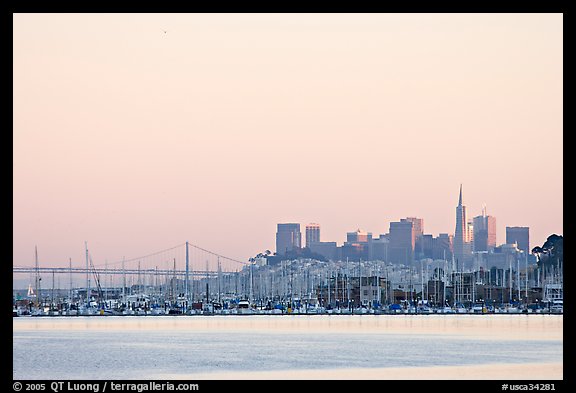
{"type": "Point", "coordinates": [319, 346]}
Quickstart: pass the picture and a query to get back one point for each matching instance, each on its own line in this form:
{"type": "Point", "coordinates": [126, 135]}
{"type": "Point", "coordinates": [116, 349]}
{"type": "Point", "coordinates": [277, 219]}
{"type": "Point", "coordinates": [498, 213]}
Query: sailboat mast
{"type": "Point", "coordinates": [510, 281]}
{"type": "Point", "coordinates": [173, 281]}
{"type": "Point", "coordinates": [52, 302]}
{"type": "Point", "coordinates": [422, 280]}
{"type": "Point", "coordinates": [123, 280]}
{"type": "Point", "coordinates": [518, 277]}
{"type": "Point", "coordinates": [87, 276]}
{"type": "Point", "coordinates": [71, 292]}
{"type": "Point", "coordinates": [526, 265]}
{"type": "Point", "coordinates": [186, 279]}
{"type": "Point", "coordinates": [219, 271]}
{"type": "Point", "coordinates": [444, 281]}
{"type": "Point", "coordinates": [347, 286]}
{"type": "Point", "coordinates": [337, 300]}
{"type": "Point", "coordinates": [328, 285]}
{"type": "Point", "coordinates": [37, 282]}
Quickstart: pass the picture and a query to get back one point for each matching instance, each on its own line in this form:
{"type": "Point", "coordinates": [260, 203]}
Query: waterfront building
{"type": "Point", "coordinates": [373, 290]}
{"type": "Point", "coordinates": [435, 291]}
{"type": "Point", "coordinates": [341, 290]}
{"type": "Point", "coordinates": [288, 238]}
{"type": "Point", "coordinates": [462, 288]}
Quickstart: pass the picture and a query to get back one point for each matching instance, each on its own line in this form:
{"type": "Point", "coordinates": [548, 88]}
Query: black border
{"type": "Point", "coordinates": [476, 6]}
{"type": "Point", "coordinates": [182, 6]}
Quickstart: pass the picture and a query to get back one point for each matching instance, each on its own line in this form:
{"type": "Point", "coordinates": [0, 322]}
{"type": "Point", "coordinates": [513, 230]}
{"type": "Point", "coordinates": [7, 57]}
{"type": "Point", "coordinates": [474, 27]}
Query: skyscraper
{"type": "Point", "coordinates": [357, 245]}
{"type": "Point", "coordinates": [312, 234]}
{"type": "Point", "coordinates": [288, 237]}
{"type": "Point", "coordinates": [401, 242]}
{"type": "Point", "coordinates": [417, 225]}
{"type": "Point", "coordinates": [358, 236]}
{"type": "Point", "coordinates": [443, 246]}
{"type": "Point", "coordinates": [418, 232]}
{"type": "Point", "coordinates": [520, 236]}
{"type": "Point", "coordinates": [484, 232]}
{"type": "Point", "coordinates": [462, 245]}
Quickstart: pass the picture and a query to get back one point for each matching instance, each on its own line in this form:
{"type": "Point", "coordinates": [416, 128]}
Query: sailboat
{"type": "Point", "coordinates": [30, 291]}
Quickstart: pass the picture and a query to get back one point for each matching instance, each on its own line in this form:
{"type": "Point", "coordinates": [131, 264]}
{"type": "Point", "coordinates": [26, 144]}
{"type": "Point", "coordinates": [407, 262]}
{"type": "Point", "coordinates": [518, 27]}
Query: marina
{"type": "Point", "coordinates": [301, 286]}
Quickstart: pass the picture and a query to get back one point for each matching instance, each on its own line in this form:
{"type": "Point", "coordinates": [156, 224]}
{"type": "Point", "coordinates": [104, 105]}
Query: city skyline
{"type": "Point", "coordinates": [296, 226]}
{"type": "Point", "coordinates": [214, 128]}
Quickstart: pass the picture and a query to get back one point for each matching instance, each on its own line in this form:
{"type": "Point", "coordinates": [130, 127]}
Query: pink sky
{"type": "Point", "coordinates": [136, 140]}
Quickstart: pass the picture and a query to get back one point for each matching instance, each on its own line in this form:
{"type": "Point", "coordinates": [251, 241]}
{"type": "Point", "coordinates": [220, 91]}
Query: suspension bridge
{"type": "Point", "coordinates": [184, 263]}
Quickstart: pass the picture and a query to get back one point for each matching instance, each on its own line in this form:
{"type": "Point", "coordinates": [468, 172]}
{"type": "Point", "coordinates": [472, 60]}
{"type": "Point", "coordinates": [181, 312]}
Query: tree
{"type": "Point", "coordinates": [551, 252]}
{"type": "Point", "coordinates": [537, 251]}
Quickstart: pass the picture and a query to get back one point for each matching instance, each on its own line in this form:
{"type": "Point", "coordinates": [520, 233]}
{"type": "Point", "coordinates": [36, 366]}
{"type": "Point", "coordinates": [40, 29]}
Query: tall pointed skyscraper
{"type": "Point", "coordinates": [462, 244]}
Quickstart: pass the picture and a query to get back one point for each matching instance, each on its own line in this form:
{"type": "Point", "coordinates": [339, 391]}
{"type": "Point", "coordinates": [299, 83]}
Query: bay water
{"type": "Point", "coordinates": [289, 347]}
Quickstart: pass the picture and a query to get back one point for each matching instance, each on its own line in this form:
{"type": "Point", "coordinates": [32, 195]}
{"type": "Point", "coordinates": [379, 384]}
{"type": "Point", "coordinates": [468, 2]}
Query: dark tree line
{"type": "Point", "coordinates": [551, 252]}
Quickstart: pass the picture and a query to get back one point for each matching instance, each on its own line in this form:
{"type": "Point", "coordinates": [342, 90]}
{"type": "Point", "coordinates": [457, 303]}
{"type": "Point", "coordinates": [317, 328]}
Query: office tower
{"type": "Point", "coordinates": [443, 247]}
{"type": "Point", "coordinates": [401, 237]}
{"type": "Point", "coordinates": [427, 246]}
{"type": "Point", "coordinates": [358, 236]}
{"type": "Point", "coordinates": [462, 245]}
{"type": "Point", "coordinates": [417, 225]}
{"type": "Point", "coordinates": [418, 229]}
{"type": "Point", "coordinates": [470, 234]}
{"type": "Point", "coordinates": [288, 237]}
{"type": "Point", "coordinates": [328, 250]}
{"type": "Point", "coordinates": [520, 236]}
{"type": "Point", "coordinates": [312, 234]}
{"type": "Point", "coordinates": [357, 246]}
{"type": "Point", "coordinates": [484, 232]}
{"type": "Point", "coordinates": [379, 248]}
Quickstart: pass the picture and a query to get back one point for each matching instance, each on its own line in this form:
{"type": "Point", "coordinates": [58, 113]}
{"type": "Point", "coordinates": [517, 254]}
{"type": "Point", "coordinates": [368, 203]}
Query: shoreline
{"type": "Point", "coordinates": [208, 314]}
{"type": "Point", "coordinates": [527, 371]}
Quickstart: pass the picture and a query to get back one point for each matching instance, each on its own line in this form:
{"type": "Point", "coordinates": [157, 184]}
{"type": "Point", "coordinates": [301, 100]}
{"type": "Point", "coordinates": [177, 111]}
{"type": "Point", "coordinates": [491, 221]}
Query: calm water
{"type": "Point", "coordinates": [170, 347]}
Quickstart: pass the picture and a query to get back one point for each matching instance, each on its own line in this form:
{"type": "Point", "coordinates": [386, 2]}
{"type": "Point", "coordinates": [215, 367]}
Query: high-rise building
{"type": "Point", "coordinates": [484, 232]}
{"type": "Point", "coordinates": [312, 234]}
{"type": "Point", "coordinates": [328, 250]}
{"type": "Point", "coordinates": [401, 246]}
{"type": "Point", "coordinates": [418, 229]}
{"type": "Point", "coordinates": [443, 246]}
{"type": "Point", "coordinates": [427, 246]}
{"type": "Point", "coordinates": [470, 234]}
{"type": "Point", "coordinates": [357, 246]}
{"type": "Point", "coordinates": [462, 245]}
{"type": "Point", "coordinates": [379, 248]}
{"type": "Point", "coordinates": [288, 237]}
{"type": "Point", "coordinates": [520, 236]}
{"type": "Point", "coordinates": [417, 225]}
{"type": "Point", "coordinates": [358, 236]}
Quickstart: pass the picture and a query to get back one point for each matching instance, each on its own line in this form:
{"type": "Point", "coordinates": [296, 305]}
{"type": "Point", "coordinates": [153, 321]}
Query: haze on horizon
{"type": "Point", "coordinates": [138, 132]}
